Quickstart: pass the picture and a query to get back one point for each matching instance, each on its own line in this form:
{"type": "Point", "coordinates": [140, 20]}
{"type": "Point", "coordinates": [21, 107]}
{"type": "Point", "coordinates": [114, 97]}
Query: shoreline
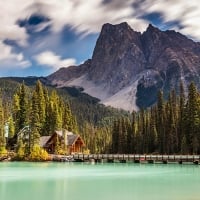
{"type": "Point", "coordinates": [114, 158]}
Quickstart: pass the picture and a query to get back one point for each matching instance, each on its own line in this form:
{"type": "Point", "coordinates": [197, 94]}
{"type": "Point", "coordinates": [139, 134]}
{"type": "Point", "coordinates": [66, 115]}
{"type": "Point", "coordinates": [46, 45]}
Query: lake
{"type": "Point", "coordinates": [86, 181]}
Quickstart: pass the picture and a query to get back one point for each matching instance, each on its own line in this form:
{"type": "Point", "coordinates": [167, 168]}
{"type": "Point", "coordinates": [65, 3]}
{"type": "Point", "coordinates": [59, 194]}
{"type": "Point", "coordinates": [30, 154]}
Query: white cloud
{"type": "Point", "coordinates": [50, 59]}
{"type": "Point", "coordinates": [11, 60]}
{"type": "Point", "coordinates": [187, 13]}
{"type": "Point", "coordinates": [87, 17]}
{"type": "Point", "coordinates": [11, 11]}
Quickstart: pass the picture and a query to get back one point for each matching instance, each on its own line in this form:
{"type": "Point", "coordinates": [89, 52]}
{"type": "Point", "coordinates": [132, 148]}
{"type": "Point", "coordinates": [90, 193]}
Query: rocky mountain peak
{"type": "Point", "coordinates": [117, 50]}
{"type": "Point", "coordinates": [113, 34]}
{"type": "Point", "coordinates": [152, 28]}
{"type": "Point", "coordinates": [110, 27]}
{"type": "Point", "coordinates": [128, 68]}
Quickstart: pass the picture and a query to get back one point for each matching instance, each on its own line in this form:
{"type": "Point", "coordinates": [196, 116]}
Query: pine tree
{"type": "Point", "coordinates": [68, 121]}
{"type": "Point", "coordinates": [160, 123]}
{"type": "Point", "coordinates": [20, 108]}
{"type": "Point", "coordinates": [192, 118]}
{"type": "Point", "coordinates": [121, 136]}
{"type": "Point", "coordinates": [153, 138]}
{"type": "Point", "coordinates": [134, 132]}
{"type": "Point", "coordinates": [2, 136]}
{"type": "Point", "coordinates": [20, 149]}
{"type": "Point", "coordinates": [130, 138]}
{"type": "Point", "coordinates": [35, 123]}
{"type": "Point", "coordinates": [53, 114]}
{"type": "Point", "coordinates": [41, 106]}
{"type": "Point", "coordinates": [171, 126]}
{"type": "Point", "coordinates": [115, 137]}
{"type": "Point", "coordinates": [184, 146]}
{"type": "Point", "coordinates": [11, 130]}
{"type": "Point", "coordinates": [181, 125]}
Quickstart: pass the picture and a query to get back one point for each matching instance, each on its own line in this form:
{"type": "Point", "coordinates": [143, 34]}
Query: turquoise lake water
{"type": "Point", "coordinates": [85, 181]}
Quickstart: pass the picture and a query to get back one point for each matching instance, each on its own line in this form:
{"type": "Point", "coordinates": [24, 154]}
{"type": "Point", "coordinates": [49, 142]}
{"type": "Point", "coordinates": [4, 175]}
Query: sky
{"type": "Point", "coordinates": [37, 37]}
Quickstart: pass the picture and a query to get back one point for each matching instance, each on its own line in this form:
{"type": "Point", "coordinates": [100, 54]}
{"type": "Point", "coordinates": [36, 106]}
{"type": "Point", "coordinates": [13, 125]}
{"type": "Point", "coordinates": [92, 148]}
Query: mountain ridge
{"type": "Point", "coordinates": [126, 65]}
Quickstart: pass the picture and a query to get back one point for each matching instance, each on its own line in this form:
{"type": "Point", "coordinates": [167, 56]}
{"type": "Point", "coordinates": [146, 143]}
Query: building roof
{"type": "Point", "coordinates": [70, 138]}
{"type": "Point", "coordinates": [61, 133]}
{"type": "Point", "coordinates": [43, 140]}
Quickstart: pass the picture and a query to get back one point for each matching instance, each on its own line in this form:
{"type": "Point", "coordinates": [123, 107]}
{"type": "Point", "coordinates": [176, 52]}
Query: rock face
{"type": "Point", "coordinates": [128, 68]}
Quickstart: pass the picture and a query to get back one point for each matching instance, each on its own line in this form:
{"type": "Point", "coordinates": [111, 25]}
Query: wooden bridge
{"type": "Point", "coordinates": [120, 158]}
{"type": "Point", "coordinates": [128, 158]}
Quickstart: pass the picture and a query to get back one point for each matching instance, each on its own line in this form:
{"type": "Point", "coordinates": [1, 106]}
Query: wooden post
{"type": "Point", "coordinates": [180, 162]}
{"type": "Point", "coordinates": [165, 162]}
{"type": "Point", "coordinates": [196, 162]}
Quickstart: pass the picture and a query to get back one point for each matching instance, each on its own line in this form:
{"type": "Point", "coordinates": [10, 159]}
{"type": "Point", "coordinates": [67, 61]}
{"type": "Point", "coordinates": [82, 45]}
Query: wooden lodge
{"type": "Point", "coordinates": [73, 142]}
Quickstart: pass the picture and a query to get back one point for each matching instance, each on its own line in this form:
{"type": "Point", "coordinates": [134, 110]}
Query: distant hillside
{"type": "Point", "coordinates": [86, 108]}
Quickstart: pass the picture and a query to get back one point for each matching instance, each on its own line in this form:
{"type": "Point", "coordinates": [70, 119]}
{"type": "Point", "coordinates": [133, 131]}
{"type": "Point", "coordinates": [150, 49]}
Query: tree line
{"type": "Point", "coordinates": [45, 109]}
{"type": "Point", "coordinates": [40, 110]}
{"type": "Point", "coordinates": [171, 126]}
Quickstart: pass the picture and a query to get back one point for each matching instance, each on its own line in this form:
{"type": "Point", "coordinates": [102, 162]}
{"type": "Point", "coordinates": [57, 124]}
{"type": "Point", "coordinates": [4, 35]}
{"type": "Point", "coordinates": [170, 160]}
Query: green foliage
{"type": "Point", "coordinates": [2, 123]}
{"type": "Point", "coordinates": [20, 154]}
{"type": "Point", "coordinates": [97, 140]}
{"type": "Point", "coordinates": [38, 154]}
{"type": "Point", "coordinates": [11, 127]}
{"type": "Point", "coordinates": [46, 109]}
{"type": "Point", "coordinates": [3, 151]}
{"type": "Point", "coordinates": [168, 127]}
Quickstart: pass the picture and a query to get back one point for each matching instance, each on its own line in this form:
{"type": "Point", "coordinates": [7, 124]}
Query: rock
{"type": "Point", "coordinates": [124, 58]}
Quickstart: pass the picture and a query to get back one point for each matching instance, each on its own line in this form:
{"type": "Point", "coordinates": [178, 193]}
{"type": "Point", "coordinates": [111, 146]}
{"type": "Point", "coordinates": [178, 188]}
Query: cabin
{"type": "Point", "coordinates": [73, 142]}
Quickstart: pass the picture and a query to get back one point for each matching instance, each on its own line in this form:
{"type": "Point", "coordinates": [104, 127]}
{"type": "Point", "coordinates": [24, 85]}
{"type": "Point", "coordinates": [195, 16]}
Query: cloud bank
{"type": "Point", "coordinates": [83, 18]}
{"type": "Point", "coordinates": [9, 59]}
{"type": "Point", "coordinates": [52, 60]}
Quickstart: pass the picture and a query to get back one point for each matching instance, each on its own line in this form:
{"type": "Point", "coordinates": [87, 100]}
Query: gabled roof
{"type": "Point", "coordinates": [70, 138]}
{"type": "Point", "coordinates": [43, 140]}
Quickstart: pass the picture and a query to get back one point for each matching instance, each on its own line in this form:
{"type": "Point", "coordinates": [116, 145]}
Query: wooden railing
{"type": "Point", "coordinates": [137, 158]}
{"type": "Point", "coordinates": [122, 158]}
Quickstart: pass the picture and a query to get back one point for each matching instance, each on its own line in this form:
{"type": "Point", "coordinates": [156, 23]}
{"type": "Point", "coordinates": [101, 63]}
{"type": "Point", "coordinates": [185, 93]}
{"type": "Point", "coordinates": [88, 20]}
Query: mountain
{"type": "Point", "coordinates": [128, 68]}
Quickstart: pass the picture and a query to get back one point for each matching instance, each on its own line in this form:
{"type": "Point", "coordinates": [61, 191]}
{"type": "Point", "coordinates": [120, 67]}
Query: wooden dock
{"type": "Point", "coordinates": [121, 158]}
{"type": "Point", "coordinates": [132, 158]}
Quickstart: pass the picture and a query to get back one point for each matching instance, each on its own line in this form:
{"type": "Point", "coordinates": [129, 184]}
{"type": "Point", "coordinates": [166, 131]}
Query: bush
{"type": "Point", "coordinates": [20, 153]}
{"type": "Point", "coordinates": [86, 151]}
{"type": "Point", "coordinates": [3, 151]}
{"type": "Point", "coordinates": [38, 154]}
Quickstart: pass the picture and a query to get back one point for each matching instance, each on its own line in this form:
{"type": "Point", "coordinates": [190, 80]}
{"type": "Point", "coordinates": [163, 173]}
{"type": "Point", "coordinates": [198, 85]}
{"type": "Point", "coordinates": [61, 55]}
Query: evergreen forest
{"type": "Point", "coordinates": [43, 109]}
{"type": "Point", "coordinates": [171, 126]}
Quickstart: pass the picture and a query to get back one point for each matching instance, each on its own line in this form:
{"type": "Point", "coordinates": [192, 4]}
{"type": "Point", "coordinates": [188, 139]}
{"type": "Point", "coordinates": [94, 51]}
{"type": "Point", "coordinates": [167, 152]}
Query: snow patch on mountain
{"type": "Point", "coordinates": [98, 91]}
{"type": "Point", "coordinates": [124, 99]}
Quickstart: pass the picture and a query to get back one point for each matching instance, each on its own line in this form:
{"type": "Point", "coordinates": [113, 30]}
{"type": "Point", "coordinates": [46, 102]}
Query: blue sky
{"type": "Point", "coordinates": [37, 37]}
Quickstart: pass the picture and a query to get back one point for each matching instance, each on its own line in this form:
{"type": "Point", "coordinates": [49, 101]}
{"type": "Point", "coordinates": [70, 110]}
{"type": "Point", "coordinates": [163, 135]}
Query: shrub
{"type": "Point", "coordinates": [3, 151]}
{"type": "Point", "coordinates": [38, 154]}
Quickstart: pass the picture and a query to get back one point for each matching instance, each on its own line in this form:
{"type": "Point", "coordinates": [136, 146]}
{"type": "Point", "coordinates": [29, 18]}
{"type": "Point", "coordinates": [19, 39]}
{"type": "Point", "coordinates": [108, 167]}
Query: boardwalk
{"type": "Point", "coordinates": [121, 158]}
{"type": "Point", "coordinates": [135, 158]}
